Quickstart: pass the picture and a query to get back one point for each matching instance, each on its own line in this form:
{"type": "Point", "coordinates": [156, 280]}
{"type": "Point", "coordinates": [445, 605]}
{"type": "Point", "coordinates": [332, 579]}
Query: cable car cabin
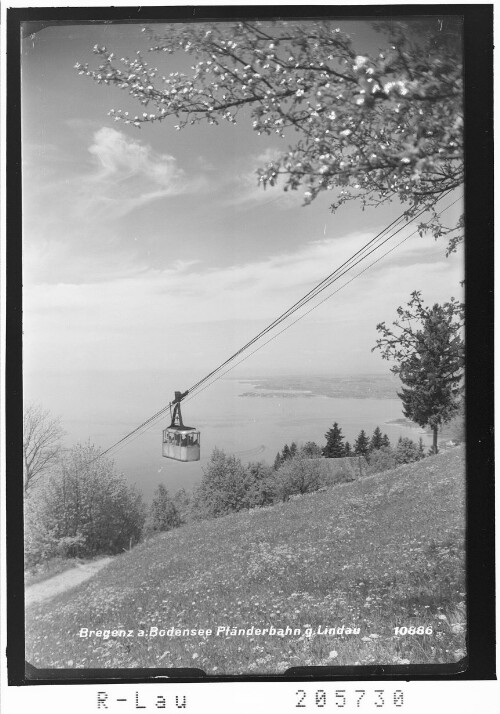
{"type": "Point", "coordinates": [180, 442]}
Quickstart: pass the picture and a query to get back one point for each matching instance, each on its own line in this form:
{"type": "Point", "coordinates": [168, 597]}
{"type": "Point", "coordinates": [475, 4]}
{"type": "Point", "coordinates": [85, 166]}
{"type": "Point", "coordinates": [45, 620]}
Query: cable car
{"type": "Point", "coordinates": [180, 442]}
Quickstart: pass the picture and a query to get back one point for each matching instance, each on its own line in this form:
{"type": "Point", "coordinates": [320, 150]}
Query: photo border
{"type": "Point", "coordinates": [479, 253]}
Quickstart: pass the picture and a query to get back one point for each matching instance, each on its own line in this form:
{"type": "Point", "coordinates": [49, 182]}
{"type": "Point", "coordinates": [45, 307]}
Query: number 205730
{"type": "Point", "coordinates": [341, 698]}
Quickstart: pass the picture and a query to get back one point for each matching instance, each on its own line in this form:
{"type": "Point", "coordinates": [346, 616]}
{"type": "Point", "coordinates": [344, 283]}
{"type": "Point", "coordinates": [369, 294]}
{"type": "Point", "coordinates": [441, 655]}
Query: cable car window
{"type": "Point", "coordinates": [180, 442]}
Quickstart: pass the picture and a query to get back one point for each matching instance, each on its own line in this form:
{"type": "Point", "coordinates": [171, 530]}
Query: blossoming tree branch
{"type": "Point", "coordinates": [368, 127]}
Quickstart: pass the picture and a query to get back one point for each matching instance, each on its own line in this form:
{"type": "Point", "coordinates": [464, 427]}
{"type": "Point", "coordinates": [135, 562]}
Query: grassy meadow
{"type": "Point", "coordinates": [382, 552]}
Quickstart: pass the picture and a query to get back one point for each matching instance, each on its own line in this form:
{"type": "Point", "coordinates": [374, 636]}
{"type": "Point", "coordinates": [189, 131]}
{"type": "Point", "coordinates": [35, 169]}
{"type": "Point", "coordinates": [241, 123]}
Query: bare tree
{"type": "Point", "coordinates": [42, 436]}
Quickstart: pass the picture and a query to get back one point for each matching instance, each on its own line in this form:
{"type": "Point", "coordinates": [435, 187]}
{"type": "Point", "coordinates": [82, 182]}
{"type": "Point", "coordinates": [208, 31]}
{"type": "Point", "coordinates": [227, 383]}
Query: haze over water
{"type": "Point", "coordinates": [251, 427]}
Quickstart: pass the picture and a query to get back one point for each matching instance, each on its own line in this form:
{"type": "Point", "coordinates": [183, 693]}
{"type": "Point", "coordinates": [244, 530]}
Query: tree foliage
{"type": "Point", "coordinates": [262, 485]}
{"type": "Point", "coordinates": [334, 448]}
{"type": "Point", "coordinates": [311, 450]}
{"type": "Point", "coordinates": [362, 444]}
{"type": "Point", "coordinates": [182, 501]}
{"type": "Point", "coordinates": [164, 513]}
{"type": "Point", "coordinates": [373, 127]}
{"type": "Point", "coordinates": [288, 452]}
{"type": "Point", "coordinates": [84, 509]}
{"type": "Point", "coordinates": [223, 488]}
{"type": "Point", "coordinates": [428, 349]}
{"type": "Point", "coordinates": [299, 475]}
{"type": "Point", "coordinates": [42, 436]}
{"type": "Point", "coordinates": [407, 451]}
{"type": "Point", "coordinates": [382, 459]}
{"type": "Point", "coordinates": [377, 440]}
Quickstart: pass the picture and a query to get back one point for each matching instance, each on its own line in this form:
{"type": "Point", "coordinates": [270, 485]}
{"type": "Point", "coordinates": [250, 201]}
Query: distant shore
{"type": "Point", "coordinates": [347, 387]}
{"type": "Point", "coordinates": [403, 422]}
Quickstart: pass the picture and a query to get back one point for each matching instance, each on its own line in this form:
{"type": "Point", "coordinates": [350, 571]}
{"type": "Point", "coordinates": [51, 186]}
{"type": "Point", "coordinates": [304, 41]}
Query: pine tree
{"type": "Point", "coordinates": [347, 449]}
{"type": "Point", "coordinates": [362, 444]}
{"type": "Point", "coordinates": [376, 441]}
{"type": "Point", "coordinates": [285, 454]}
{"type": "Point", "coordinates": [334, 448]}
{"type": "Point", "coordinates": [385, 441]}
{"type": "Point", "coordinates": [277, 461]}
{"type": "Point", "coordinates": [293, 449]}
{"type": "Point", "coordinates": [429, 352]}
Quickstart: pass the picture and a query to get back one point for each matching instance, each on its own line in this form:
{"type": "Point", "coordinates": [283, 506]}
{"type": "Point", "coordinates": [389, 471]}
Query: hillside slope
{"type": "Point", "coordinates": [372, 555]}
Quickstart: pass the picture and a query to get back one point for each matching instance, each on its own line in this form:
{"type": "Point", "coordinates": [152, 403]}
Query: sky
{"type": "Point", "coordinates": [154, 251]}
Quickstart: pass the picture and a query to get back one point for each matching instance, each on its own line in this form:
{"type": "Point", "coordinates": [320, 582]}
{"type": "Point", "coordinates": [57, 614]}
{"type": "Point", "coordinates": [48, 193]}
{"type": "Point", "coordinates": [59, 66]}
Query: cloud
{"type": "Point", "coordinates": [121, 157]}
{"type": "Point", "coordinates": [254, 290]}
{"type": "Point", "coordinates": [79, 199]}
{"type": "Point", "coordinates": [123, 174]}
{"type": "Point", "coordinates": [129, 174]}
{"type": "Point", "coordinates": [189, 314]}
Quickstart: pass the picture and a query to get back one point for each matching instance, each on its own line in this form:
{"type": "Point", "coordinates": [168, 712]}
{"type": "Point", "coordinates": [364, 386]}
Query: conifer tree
{"type": "Point", "coordinates": [362, 444]}
{"type": "Point", "coordinates": [385, 441]}
{"type": "Point", "coordinates": [334, 448]}
{"type": "Point", "coordinates": [376, 441]}
{"type": "Point", "coordinates": [429, 351]}
{"type": "Point", "coordinates": [347, 449]}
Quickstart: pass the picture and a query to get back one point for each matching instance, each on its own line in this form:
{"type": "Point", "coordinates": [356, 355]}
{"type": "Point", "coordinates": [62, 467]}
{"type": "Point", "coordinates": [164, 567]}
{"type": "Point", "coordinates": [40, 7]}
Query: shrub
{"type": "Point", "coordinates": [382, 459]}
{"type": "Point", "coordinates": [182, 501]}
{"type": "Point", "coordinates": [311, 450]}
{"type": "Point", "coordinates": [407, 451]}
{"type": "Point", "coordinates": [298, 476]}
{"type": "Point", "coordinates": [164, 514]}
{"type": "Point", "coordinates": [223, 488]}
{"type": "Point", "coordinates": [84, 509]}
{"type": "Point", "coordinates": [261, 485]}
{"type": "Point", "coordinates": [343, 475]}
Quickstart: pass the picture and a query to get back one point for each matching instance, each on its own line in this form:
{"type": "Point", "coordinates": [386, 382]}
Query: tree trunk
{"type": "Point", "coordinates": [435, 439]}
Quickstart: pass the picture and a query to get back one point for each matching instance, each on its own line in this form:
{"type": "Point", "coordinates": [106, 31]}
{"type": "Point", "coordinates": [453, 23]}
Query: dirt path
{"type": "Point", "coordinates": [62, 582]}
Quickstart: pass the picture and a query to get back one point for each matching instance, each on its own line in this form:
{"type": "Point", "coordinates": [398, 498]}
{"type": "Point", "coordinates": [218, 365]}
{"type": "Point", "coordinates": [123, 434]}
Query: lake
{"type": "Point", "coordinates": [110, 405]}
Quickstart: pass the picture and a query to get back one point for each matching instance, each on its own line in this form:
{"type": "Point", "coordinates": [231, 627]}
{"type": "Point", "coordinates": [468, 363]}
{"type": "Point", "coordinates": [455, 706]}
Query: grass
{"type": "Point", "coordinates": [375, 554]}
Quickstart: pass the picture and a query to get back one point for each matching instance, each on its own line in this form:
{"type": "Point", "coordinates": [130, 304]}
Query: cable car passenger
{"type": "Point", "coordinates": [180, 442]}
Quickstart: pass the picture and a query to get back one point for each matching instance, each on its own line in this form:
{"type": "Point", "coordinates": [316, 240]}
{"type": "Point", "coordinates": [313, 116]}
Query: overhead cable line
{"type": "Point", "coordinates": [193, 393]}
{"type": "Point", "coordinates": [368, 249]}
{"type": "Point", "coordinates": [311, 309]}
{"type": "Point", "coordinates": [311, 294]}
